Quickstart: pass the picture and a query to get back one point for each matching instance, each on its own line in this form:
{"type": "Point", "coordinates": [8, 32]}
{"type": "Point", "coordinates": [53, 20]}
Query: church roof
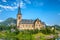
{"type": "Point", "coordinates": [27, 21]}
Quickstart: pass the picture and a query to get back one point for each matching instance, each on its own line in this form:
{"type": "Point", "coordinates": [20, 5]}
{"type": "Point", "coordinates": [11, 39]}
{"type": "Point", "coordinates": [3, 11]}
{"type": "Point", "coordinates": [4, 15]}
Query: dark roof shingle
{"type": "Point", "coordinates": [27, 21]}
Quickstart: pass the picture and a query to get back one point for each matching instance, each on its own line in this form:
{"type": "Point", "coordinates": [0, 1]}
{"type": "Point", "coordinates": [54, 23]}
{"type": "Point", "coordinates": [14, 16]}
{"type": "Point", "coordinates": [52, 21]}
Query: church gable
{"type": "Point", "coordinates": [37, 21]}
{"type": "Point", "coordinates": [38, 24]}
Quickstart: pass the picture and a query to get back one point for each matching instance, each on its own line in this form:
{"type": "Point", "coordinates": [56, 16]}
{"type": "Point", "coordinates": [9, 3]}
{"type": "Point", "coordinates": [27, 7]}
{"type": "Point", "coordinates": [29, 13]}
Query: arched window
{"type": "Point", "coordinates": [18, 26]}
{"type": "Point", "coordinates": [39, 25]}
{"type": "Point", "coordinates": [37, 22]}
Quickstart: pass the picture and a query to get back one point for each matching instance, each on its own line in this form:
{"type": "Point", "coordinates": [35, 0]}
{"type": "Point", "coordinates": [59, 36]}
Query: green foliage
{"type": "Point", "coordinates": [24, 34]}
{"type": "Point", "coordinates": [2, 27]}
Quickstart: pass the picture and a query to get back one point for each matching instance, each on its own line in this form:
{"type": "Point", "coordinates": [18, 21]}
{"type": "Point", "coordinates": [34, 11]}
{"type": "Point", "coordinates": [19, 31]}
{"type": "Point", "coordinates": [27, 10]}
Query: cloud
{"type": "Point", "coordinates": [22, 5]}
{"type": "Point", "coordinates": [1, 20]}
{"type": "Point", "coordinates": [4, 1]}
{"type": "Point", "coordinates": [15, 4]}
{"type": "Point", "coordinates": [38, 3]}
{"type": "Point", "coordinates": [8, 7]}
{"type": "Point", "coordinates": [49, 24]}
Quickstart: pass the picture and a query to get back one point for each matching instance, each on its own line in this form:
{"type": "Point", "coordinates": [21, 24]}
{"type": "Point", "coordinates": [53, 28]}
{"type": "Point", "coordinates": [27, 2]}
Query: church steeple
{"type": "Point", "coordinates": [19, 16]}
{"type": "Point", "coordinates": [19, 9]}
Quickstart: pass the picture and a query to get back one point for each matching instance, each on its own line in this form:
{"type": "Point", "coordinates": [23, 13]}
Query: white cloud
{"type": "Point", "coordinates": [8, 7]}
{"type": "Point", "coordinates": [38, 3]}
{"type": "Point", "coordinates": [15, 4]}
{"type": "Point", "coordinates": [1, 20]}
{"type": "Point", "coordinates": [13, 7]}
{"type": "Point", "coordinates": [22, 4]}
{"type": "Point", "coordinates": [49, 24]}
{"type": "Point", "coordinates": [4, 1]}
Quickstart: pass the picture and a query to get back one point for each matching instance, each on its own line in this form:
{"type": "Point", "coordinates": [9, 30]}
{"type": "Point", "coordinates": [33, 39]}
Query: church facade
{"type": "Point", "coordinates": [27, 24]}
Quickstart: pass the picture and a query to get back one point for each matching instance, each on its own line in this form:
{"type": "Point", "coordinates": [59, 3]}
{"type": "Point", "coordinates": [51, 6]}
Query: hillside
{"type": "Point", "coordinates": [8, 21]}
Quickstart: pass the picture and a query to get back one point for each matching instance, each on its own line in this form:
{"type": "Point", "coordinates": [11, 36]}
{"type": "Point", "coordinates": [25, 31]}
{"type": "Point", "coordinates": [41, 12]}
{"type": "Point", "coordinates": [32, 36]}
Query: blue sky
{"type": "Point", "coordinates": [47, 11]}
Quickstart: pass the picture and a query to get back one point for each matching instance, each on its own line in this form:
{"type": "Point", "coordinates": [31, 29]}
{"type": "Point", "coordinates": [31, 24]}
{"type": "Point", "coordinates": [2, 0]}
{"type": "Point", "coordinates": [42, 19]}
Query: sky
{"type": "Point", "coordinates": [47, 11]}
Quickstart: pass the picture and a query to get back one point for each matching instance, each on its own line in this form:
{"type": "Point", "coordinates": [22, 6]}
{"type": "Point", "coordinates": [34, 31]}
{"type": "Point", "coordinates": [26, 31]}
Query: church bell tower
{"type": "Point", "coordinates": [19, 16]}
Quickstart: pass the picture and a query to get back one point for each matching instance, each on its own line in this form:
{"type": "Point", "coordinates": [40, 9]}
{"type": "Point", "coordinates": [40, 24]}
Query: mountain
{"type": "Point", "coordinates": [57, 27]}
{"type": "Point", "coordinates": [9, 21]}
{"type": "Point", "coordinates": [12, 21]}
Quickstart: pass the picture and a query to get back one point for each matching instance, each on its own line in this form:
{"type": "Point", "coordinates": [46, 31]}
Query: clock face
{"type": "Point", "coordinates": [19, 17]}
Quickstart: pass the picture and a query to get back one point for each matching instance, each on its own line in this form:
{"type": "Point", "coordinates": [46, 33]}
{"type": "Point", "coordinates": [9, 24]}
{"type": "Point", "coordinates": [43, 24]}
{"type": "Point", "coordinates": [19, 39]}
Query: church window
{"type": "Point", "coordinates": [39, 25]}
{"type": "Point", "coordinates": [37, 22]}
{"type": "Point", "coordinates": [18, 26]}
{"type": "Point", "coordinates": [36, 25]}
{"type": "Point", "coordinates": [23, 25]}
{"type": "Point", "coordinates": [28, 26]}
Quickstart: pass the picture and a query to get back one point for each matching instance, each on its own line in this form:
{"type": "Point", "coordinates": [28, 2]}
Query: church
{"type": "Point", "coordinates": [27, 24]}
